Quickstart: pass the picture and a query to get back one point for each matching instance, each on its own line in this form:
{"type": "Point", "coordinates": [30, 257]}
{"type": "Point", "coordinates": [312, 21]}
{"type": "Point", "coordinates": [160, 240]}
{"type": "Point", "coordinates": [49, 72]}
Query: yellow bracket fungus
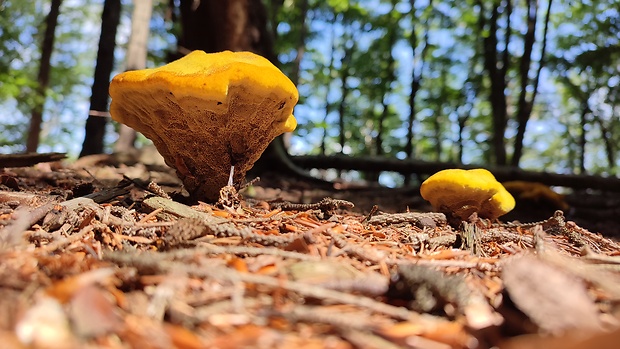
{"type": "Point", "coordinates": [536, 192]}
{"type": "Point", "coordinates": [206, 113]}
{"type": "Point", "coordinates": [460, 193]}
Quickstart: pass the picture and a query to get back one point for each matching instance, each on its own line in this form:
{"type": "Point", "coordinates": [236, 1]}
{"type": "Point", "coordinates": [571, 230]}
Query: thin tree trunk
{"type": "Point", "coordinates": [498, 83]}
{"type": "Point", "coordinates": [274, 8]}
{"type": "Point", "coordinates": [585, 109]}
{"type": "Point", "coordinates": [327, 86]}
{"type": "Point", "coordinates": [462, 120]}
{"type": "Point", "coordinates": [301, 42]}
{"type": "Point", "coordinates": [508, 36]}
{"type": "Point", "coordinates": [136, 59]}
{"type": "Point", "coordinates": [524, 107]}
{"type": "Point", "coordinates": [345, 92]}
{"type": "Point", "coordinates": [386, 83]}
{"type": "Point", "coordinates": [47, 47]}
{"type": "Point", "coordinates": [607, 141]}
{"type": "Point", "coordinates": [416, 80]}
{"type": "Point", "coordinates": [437, 118]}
{"type": "Point", "coordinates": [96, 123]}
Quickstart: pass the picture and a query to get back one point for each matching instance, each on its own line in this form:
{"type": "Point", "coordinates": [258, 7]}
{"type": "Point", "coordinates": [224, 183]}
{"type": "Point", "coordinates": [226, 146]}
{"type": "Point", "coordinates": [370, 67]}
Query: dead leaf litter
{"type": "Point", "coordinates": [126, 266]}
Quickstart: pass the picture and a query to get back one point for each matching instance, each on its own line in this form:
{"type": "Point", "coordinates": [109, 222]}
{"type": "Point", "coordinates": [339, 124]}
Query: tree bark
{"type": "Point", "coordinates": [215, 25]}
{"type": "Point", "coordinates": [585, 110]}
{"type": "Point", "coordinates": [498, 82]}
{"type": "Point", "coordinates": [96, 123]}
{"type": "Point", "coordinates": [135, 59]}
{"type": "Point", "coordinates": [346, 60]}
{"type": "Point", "coordinates": [47, 47]}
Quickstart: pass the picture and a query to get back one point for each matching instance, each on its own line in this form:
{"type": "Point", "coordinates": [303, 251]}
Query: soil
{"type": "Point", "coordinates": [100, 254]}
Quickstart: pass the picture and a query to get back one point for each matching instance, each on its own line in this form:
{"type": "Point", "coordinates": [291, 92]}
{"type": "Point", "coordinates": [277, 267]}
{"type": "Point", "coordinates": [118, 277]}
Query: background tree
{"type": "Point", "coordinates": [478, 81]}
{"type": "Point", "coordinates": [97, 116]}
{"type": "Point", "coordinates": [135, 58]}
{"type": "Point", "coordinates": [43, 77]}
{"type": "Point", "coordinates": [22, 29]}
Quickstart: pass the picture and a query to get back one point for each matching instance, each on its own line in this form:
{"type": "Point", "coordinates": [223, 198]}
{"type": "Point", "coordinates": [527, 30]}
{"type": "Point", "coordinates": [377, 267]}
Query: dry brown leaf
{"type": "Point", "coordinates": [451, 334]}
{"type": "Point", "coordinates": [601, 340]}
{"type": "Point", "coordinates": [553, 299]}
{"type": "Point", "coordinates": [93, 312]}
{"type": "Point", "coordinates": [183, 338]}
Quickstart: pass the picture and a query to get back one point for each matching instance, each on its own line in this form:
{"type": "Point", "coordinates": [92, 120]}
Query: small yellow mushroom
{"type": "Point", "coordinates": [206, 113]}
{"type": "Point", "coordinates": [460, 193]}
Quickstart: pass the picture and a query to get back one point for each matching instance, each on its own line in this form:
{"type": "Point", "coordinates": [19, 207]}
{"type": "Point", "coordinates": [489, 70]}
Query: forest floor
{"type": "Point", "coordinates": [93, 255]}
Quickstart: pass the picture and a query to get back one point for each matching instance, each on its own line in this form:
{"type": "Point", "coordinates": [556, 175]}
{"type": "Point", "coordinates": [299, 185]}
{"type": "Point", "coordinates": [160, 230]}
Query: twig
{"type": "Point", "coordinates": [483, 266]}
{"type": "Point", "coordinates": [342, 320]}
{"type": "Point", "coordinates": [24, 160]}
{"type": "Point", "coordinates": [12, 233]}
{"type": "Point", "coordinates": [157, 190]}
{"type": "Point", "coordinates": [364, 254]}
{"type": "Point", "coordinates": [207, 248]}
{"type": "Point", "coordinates": [429, 289]}
{"type": "Point", "coordinates": [53, 246]}
{"type": "Point", "coordinates": [420, 219]}
{"type": "Point", "coordinates": [327, 205]}
{"type": "Point", "coordinates": [150, 262]}
{"type": "Point", "coordinates": [367, 340]}
{"type": "Point", "coordinates": [177, 209]}
{"type": "Point", "coordinates": [187, 229]}
{"type": "Point", "coordinates": [280, 216]}
{"type": "Point", "coordinates": [373, 210]}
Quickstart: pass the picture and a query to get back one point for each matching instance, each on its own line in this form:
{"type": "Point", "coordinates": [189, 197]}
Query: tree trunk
{"type": "Point", "coordinates": [215, 25]}
{"type": "Point", "coordinates": [301, 42]}
{"type": "Point", "coordinates": [346, 60]}
{"type": "Point", "coordinates": [330, 69]}
{"type": "Point", "coordinates": [236, 25]}
{"type": "Point", "coordinates": [386, 83]}
{"type": "Point", "coordinates": [135, 59]}
{"type": "Point", "coordinates": [498, 82]}
{"type": "Point", "coordinates": [462, 120]}
{"type": "Point", "coordinates": [416, 79]}
{"type": "Point", "coordinates": [96, 123]}
{"type": "Point", "coordinates": [47, 47]}
{"type": "Point", "coordinates": [524, 107]}
{"type": "Point", "coordinates": [610, 151]}
{"type": "Point", "coordinates": [585, 110]}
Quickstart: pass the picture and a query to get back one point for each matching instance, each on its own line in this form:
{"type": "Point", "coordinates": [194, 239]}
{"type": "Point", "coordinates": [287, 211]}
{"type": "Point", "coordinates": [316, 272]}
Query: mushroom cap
{"type": "Point", "coordinates": [207, 112]}
{"type": "Point", "coordinates": [536, 192]}
{"type": "Point", "coordinates": [463, 192]}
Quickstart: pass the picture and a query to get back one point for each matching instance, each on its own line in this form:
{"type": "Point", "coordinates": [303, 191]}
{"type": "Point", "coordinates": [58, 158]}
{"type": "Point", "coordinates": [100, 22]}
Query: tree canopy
{"type": "Point", "coordinates": [533, 84]}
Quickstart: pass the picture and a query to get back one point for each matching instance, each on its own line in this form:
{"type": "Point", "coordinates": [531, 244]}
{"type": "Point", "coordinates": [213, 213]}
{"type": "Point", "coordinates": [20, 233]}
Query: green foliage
{"type": "Point", "coordinates": [20, 39]}
{"type": "Point", "coordinates": [368, 43]}
{"type": "Point", "coordinates": [354, 63]}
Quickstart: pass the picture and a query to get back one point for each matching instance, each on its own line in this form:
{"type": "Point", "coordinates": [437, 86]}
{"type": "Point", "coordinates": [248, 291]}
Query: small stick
{"type": "Point", "coordinates": [230, 176]}
{"type": "Point", "coordinates": [373, 210]}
